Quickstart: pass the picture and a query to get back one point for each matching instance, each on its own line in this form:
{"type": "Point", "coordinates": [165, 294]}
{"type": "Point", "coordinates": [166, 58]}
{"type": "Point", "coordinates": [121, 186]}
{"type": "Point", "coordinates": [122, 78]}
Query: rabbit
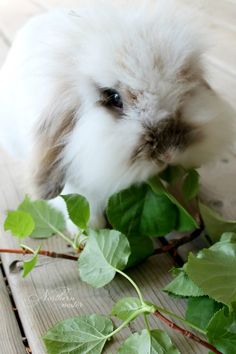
{"type": "Point", "coordinates": [105, 96]}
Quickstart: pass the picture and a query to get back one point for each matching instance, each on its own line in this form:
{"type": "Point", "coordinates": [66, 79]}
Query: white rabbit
{"type": "Point", "coordinates": [104, 97]}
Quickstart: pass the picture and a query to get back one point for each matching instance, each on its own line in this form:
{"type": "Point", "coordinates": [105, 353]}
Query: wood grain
{"type": "Point", "coordinates": [218, 185]}
{"type": "Point", "coordinates": [10, 336]}
{"type": "Point", "coordinates": [3, 50]}
{"type": "Point", "coordinates": [14, 14]}
{"type": "Point", "coordinates": [221, 12]}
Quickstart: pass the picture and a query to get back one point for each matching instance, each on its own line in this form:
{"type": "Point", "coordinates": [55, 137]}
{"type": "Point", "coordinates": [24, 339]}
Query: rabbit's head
{"type": "Point", "coordinates": [133, 99]}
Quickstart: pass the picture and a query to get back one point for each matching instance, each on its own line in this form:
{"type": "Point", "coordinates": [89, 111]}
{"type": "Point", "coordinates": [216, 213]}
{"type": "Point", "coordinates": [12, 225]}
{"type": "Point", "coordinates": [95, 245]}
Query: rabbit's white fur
{"type": "Point", "coordinates": [54, 72]}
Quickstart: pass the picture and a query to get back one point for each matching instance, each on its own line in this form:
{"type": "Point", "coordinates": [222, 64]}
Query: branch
{"type": "Point", "coordinates": [186, 333]}
{"type": "Point", "coordinates": [173, 244]}
{"type": "Point", "coordinates": [41, 252]}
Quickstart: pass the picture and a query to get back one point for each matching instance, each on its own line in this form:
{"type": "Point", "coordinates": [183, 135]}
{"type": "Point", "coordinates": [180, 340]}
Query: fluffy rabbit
{"type": "Point", "coordinates": [104, 97]}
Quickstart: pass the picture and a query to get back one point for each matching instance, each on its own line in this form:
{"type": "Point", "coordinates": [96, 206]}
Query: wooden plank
{"type": "Point", "coordinates": [218, 185]}
{"type": "Point", "coordinates": [54, 292]}
{"type": "Point", "coordinates": [222, 12]}
{"type": "Point", "coordinates": [57, 3]}
{"type": "Point", "coordinates": [10, 336]}
{"type": "Point", "coordinates": [221, 80]}
{"type": "Point", "coordinates": [14, 14]}
{"type": "Point", "coordinates": [222, 47]}
{"type": "Point", "coordinates": [3, 50]}
{"type": "Point", "coordinates": [219, 21]}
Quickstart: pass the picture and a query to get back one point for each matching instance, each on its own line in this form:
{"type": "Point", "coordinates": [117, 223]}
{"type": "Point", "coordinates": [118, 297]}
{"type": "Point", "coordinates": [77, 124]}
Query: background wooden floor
{"type": "Point", "coordinates": [54, 291]}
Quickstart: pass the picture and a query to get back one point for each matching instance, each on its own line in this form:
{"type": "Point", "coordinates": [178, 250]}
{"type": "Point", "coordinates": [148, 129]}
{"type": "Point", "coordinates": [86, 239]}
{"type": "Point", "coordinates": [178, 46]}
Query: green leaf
{"type": "Point", "coordinates": [141, 249]}
{"type": "Point", "coordinates": [227, 237]}
{"type": "Point", "coordinates": [184, 221]}
{"type": "Point", "coordinates": [155, 342]}
{"type": "Point", "coordinates": [214, 223]}
{"type": "Point", "coordinates": [127, 307]}
{"type": "Point", "coordinates": [213, 270]}
{"type": "Point", "coordinates": [200, 310]}
{"type": "Point", "coordinates": [20, 223]}
{"type": "Point", "coordinates": [191, 184]}
{"type": "Point", "coordinates": [78, 209]}
{"type": "Point", "coordinates": [161, 343]}
{"type": "Point", "coordinates": [130, 307]}
{"type": "Point", "coordinates": [136, 344]}
{"type": "Point", "coordinates": [182, 285]}
{"type": "Point", "coordinates": [79, 335]}
{"type": "Point", "coordinates": [104, 253]}
{"type": "Point", "coordinates": [221, 331]}
{"type": "Point", "coordinates": [172, 173]}
{"type": "Point", "coordinates": [138, 211]}
{"type": "Point", "coordinates": [29, 265]}
{"type": "Point", "coordinates": [48, 220]}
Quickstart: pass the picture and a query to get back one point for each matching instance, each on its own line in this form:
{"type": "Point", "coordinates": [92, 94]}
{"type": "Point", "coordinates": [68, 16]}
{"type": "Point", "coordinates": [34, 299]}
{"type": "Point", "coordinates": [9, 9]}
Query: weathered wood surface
{"type": "Point", "coordinates": [3, 49]}
{"type": "Point", "coordinates": [54, 291]}
{"type": "Point", "coordinates": [13, 15]}
{"type": "Point", "coordinates": [10, 336]}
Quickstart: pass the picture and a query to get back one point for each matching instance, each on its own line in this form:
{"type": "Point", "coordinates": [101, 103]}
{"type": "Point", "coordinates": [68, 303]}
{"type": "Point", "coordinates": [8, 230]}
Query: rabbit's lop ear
{"type": "Point", "coordinates": [48, 168]}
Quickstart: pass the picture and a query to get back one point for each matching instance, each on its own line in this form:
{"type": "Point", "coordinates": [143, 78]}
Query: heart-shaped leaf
{"type": "Point", "coordinates": [136, 344]}
{"type": "Point", "coordinates": [126, 308]}
{"type": "Point", "coordinates": [184, 221]}
{"type": "Point", "coordinates": [153, 342]}
{"type": "Point", "coordinates": [161, 343]}
{"type": "Point", "coordinates": [221, 331]}
{"type": "Point", "coordinates": [200, 310]}
{"type": "Point", "coordinates": [140, 212]}
{"type": "Point", "coordinates": [106, 251]}
{"type": "Point", "coordinates": [182, 285]}
{"type": "Point", "coordinates": [20, 223]}
{"type": "Point", "coordinates": [80, 335]}
{"type": "Point", "coordinates": [141, 249]}
{"type": "Point", "coordinates": [78, 209]}
{"type": "Point", "coordinates": [130, 307]}
{"type": "Point", "coordinates": [217, 264]}
{"type": "Point", "coordinates": [48, 220]}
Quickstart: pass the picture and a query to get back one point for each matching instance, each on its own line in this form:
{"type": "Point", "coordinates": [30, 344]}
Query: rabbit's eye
{"type": "Point", "coordinates": [112, 98]}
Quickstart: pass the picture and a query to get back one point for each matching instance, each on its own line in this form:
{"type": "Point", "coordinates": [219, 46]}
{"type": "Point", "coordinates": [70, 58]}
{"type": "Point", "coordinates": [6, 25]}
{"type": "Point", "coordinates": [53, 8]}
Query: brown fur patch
{"type": "Point", "coordinates": [130, 96]}
{"type": "Point", "coordinates": [169, 133]}
{"type": "Point", "coordinates": [186, 74]}
{"type": "Point", "coordinates": [191, 72]}
{"type": "Point", "coordinates": [159, 64]}
{"type": "Point", "coordinates": [49, 174]}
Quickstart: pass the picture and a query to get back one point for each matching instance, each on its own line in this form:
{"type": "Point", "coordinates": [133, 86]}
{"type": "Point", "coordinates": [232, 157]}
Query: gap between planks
{"type": "Point", "coordinates": [11, 335]}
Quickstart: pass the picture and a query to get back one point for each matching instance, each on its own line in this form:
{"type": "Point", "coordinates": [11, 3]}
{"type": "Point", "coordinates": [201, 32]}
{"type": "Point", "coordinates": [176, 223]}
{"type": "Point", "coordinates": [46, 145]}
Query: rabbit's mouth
{"type": "Point", "coordinates": [164, 141]}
